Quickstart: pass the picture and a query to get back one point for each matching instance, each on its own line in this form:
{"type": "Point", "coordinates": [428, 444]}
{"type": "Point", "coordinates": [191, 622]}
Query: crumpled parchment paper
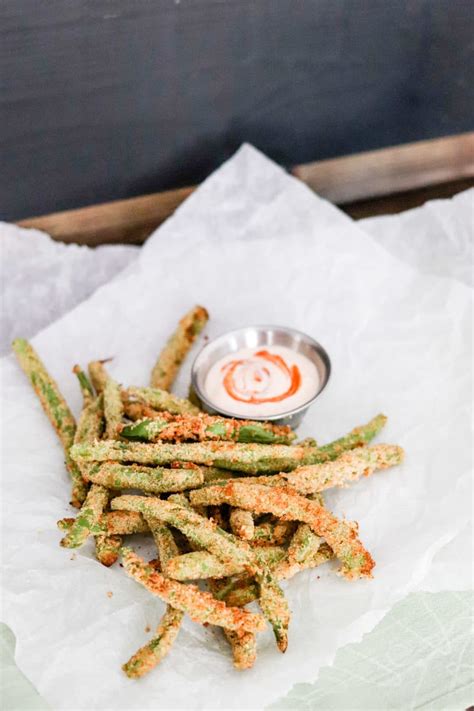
{"type": "Point", "coordinates": [253, 245]}
{"type": "Point", "coordinates": [40, 279]}
{"type": "Point", "coordinates": [436, 238]}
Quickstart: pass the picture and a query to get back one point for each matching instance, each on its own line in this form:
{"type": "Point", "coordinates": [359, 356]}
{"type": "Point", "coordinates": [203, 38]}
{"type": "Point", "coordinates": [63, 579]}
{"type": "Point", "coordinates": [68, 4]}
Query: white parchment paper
{"type": "Point", "coordinates": [40, 279]}
{"type": "Point", "coordinates": [253, 245]}
{"type": "Point", "coordinates": [436, 238]}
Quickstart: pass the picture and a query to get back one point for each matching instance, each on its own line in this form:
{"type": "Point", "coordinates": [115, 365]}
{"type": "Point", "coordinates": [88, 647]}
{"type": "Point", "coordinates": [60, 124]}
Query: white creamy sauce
{"type": "Point", "coordinates": [259, 382]}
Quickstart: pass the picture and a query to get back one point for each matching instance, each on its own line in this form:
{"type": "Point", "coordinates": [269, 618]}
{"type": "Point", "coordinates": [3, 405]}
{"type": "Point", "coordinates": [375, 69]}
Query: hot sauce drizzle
{"type": "Point", "coordinates": [239, 372]}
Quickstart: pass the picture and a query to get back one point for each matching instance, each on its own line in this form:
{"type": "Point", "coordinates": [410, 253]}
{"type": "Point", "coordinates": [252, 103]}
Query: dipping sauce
{"type": "Point", "coordinates": [261, 382]}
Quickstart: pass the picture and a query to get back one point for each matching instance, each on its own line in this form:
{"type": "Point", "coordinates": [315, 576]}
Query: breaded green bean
{"type": "Point", "coordinates": [113, 408]}
{"type": "Point", "coordinates": [180, 499]}
{"type": "Point", "coordinates": [47, 391]}
{"type": "Point", "coordinates": [242, 644]}
{"type": "Point", "coordinates": [203, 565]}
{"type": "Point", "coordinates": [168, 363]}
{"type": "Point", "coordinates": [273, 532]}
{"type": "Point", "coordinates": [307, 442]}
{"type": "Point", "coordinates": [201, 510]}
{"type": "Point", "coordinates": [285, 504]}
{"type": "Point", "coordinates": [346, 469]}
{"type": "Point", "coordinates": [244, 590]}
{"type": "Point", "coordinates": [154, 480]}
{"type": "Point", "coordinates": [228, 455]}
{"type": "Point", "coordinates": [55, 408]}
{"type": "Point", "coordinates": [85, 385]}
{"type": "Point", "coordinates": [270, 556]}
{"type": "Point", "coordinates": [251, 458]}
{"type": "Point", "coordinates": [241, 523]}
{"type": "Point", "coordinates": [90, 426]}
{"type": "Point", "coordinates": [113, 523]}
{"type": "Point", "coordinates": [160, 400]}
{"type": "Point", "coordinates": [244, 648]}
{"type": "Point", "coordinates": [203, 428]}
{"type": "Point", "coordinates": [200, 565]}
{"type": "Point", "coordinates": [156, 650]}
{"type": "Point", "coordinates": [266, 480]}
{"type": "Point", "coordinates": [306, 550]}
{"type": "Point", "coordinates": [160, 645]}
{"type": "Point", "coordinates": [87, 520]}
{"type": "Point", "coordinates": [356, 438]}
{"type": "Point", "coordinates": [107, 549]}
{"type": "Point", "coordinates": [202, 607]}
{"type": "Point", "coordinates": [275, 607]}
{"type": "Point", "coordinates": [164, 540]}
{"type": "Point", "coordinates": [168, 549]}
{"type": "Point", "coordinates": [98, 375]}
{"type": "Point", "coordinates": [271, 600]}
{"type": "Point", "coordinates": [212, 474]}
{"type": "Point", "coordinates": [303, 544]}
{"type": "Point", "coordinates": [134, 411]}
{"type": "Point", "coordinates": [199, 530]}
{"type": "Point", "coordinates": [122, 523]}
{"type": "Point", "coordinates": [65, 524]}
{"type": "Point", "coordinates": [287, 568]}
{"type": "Point", "coordinates": [138, 411]}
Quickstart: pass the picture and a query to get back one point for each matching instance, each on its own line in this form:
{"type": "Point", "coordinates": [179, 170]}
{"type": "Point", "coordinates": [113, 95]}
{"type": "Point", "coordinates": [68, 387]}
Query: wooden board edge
{"type": "Point", "coordinates": [391, 170]}
{"type": "Point", "coordinates": [349, 179]}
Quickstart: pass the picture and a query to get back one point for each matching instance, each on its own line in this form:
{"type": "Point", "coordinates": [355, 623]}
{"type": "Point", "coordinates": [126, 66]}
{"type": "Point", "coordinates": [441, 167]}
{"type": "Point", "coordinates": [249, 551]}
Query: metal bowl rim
{"type": "Point", "coordinates": [281, 415]}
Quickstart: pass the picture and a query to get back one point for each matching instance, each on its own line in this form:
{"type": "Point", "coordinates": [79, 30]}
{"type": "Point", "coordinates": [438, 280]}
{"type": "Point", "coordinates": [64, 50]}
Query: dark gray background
{"type": "Point", "coordinates": [103, 99]}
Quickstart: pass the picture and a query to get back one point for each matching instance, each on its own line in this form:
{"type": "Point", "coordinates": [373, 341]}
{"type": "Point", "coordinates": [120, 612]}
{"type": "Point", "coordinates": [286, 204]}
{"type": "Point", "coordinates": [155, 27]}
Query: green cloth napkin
{"type": "Point", "coordinates": [420, 656]}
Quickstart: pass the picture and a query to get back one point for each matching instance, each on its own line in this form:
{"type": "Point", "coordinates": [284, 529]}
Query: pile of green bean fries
{"type": "Point", "coordinates": [235, 503]}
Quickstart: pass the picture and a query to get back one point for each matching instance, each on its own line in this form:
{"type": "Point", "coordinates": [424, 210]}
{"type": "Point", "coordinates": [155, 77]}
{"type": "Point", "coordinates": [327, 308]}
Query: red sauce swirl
{"type": "Point", "coordinates": [249, 379]}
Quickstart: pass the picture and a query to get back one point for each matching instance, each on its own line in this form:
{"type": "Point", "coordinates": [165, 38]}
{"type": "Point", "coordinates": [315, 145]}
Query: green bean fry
{"type": "Point", "coordinates": [233, 505]}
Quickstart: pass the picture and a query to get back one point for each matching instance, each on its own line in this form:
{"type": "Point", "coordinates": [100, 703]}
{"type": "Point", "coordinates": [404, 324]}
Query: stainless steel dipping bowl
{"type": "Point", "coordinates": [258, 337]}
